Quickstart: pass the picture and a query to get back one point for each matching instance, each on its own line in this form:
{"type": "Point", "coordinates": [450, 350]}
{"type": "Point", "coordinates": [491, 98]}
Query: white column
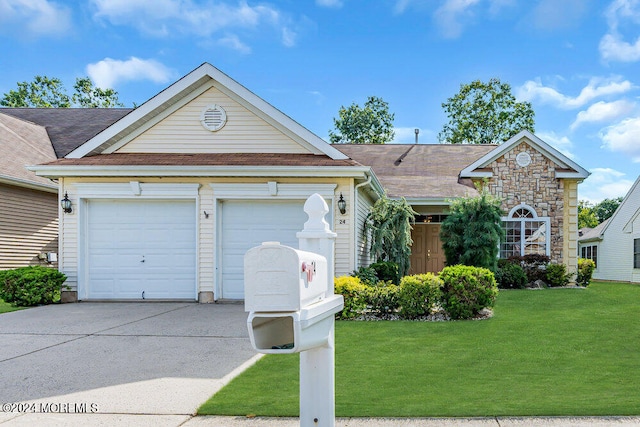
{"type": "Point", "coordinates": [317, 366]}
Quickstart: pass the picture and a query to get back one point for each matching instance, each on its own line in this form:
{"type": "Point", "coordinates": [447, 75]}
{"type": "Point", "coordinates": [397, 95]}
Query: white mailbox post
{"type": "Point", "coordinates": [291, 305]}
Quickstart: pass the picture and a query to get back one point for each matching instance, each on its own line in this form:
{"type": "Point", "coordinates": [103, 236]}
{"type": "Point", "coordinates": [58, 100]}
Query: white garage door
{"type": "Point", "coordinates": [246, 224]}
{"type": "Point", "coordinates": [141, 249]}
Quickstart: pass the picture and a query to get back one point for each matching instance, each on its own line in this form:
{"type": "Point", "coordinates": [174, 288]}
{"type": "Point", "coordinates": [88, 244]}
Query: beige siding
{"type": "Point", "coordinates": [28, 226]}
{"type": "Point", "coordinates": [362, 244]}
{"type": "Point", "coordinates": [570, 225]}
{"type": "Point", "coordinates": [181, 132]}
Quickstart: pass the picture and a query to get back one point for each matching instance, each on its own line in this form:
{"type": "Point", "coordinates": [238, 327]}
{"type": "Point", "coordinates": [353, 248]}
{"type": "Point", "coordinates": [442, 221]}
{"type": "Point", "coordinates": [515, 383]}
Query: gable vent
{"type": "Point", "coordinates": [213, 117]}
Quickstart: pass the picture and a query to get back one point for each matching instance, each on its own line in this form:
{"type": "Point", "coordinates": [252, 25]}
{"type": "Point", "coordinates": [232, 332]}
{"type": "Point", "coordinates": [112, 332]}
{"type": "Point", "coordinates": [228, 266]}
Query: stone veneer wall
{"type": "Point", "coordinates": [534, 185]}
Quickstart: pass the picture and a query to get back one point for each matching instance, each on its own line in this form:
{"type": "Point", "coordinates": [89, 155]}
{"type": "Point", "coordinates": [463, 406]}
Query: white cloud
{"type": "Point", "coordinates": [624, 137]}
{"type": "Point", "coordinates": [233, 42]}
{"type": "Point", "coordinates": [329, 3]}
{"type": "Point", "coordinates": [613, 46]}
{"type": "Point", "coordinates": [559, 142]}
{"type": "Point", "coordinates": [450, 16]}
{"type": "Point", "coordinates": [164, 18]}
{"type": "Point", "coordinates": [604, 183]}
{"type": "Point", "coordinates": [596, 88]}
{"type": "Point", "coordinates": [603, 111]}
{"type": "Point", "coordinates": [34, 17]}
{"type": "Point", "coordinates": [109, 72]}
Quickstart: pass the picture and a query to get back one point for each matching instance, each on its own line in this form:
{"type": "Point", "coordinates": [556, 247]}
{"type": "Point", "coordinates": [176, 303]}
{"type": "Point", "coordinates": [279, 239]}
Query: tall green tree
{"type": "Point", "coordinates": [46, 92]}
{"type": "Point", "coordinates": [371, 124]}
{"type": "Point", "coordinates": [388, 226]}
{"type": "Point", "coordinates": [606, 208]}
{"type": "Point", "coordinates": [485, 113]}
{"type": "Point", "coordinates": [586, 217]}
{"type": "Point", "coordinates": [472, 231]}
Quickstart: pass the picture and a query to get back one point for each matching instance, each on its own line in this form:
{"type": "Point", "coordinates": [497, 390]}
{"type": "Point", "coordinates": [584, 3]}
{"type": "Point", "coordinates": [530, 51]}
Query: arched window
{"type": "Point", "coordinates": [525, 233]}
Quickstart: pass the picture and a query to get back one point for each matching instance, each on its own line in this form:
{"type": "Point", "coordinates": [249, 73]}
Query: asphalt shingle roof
{"type": "Point", "coordinates": [69, 128]}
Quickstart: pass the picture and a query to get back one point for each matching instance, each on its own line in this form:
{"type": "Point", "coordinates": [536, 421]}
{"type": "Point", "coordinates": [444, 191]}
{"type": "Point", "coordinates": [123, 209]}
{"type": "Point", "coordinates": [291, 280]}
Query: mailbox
{"type": "Point", "coordinates": [288, 299]}
{"type": "Point", "coordinates": [280, 278]}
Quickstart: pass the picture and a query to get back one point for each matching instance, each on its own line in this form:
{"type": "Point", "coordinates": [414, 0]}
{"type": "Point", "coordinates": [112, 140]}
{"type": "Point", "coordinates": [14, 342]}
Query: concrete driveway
{"type": "Point", "coordinates": [119, 358]}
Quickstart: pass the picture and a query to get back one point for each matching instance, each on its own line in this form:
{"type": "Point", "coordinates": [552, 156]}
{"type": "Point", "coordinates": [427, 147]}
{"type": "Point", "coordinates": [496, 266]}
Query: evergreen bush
{"type": "Point", "coordinates": [419, 294]}
{"type": "Point", "coordinates": [510, 276]}
{"type": "Point", "coordinates": [383, 298]}
{"type": "Point", "coordinates": [585, 271]}
{"type": "Point", "coordinates": [353, 291]}
{"type": "Point", "coordinates": [367, 275]}
{"type": "Point", "coordinates": [30, 286]}
{"type": "Point", "coordinates": [467, 290]}
{"type": "Point", "coordinates": [556, 275]}
{"type": "Point", "coordinates": [387, 271]}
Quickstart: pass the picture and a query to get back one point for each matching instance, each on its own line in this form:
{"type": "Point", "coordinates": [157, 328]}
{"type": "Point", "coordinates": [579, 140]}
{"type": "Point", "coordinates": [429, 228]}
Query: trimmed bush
{"type": "Point", "coordinates": [557, 275]}
{"type": "Point", "coordinates": [419, 294]}
{"type": "Point", "coordinates": [534, 266]}
{"type": "Point", "coordinates": [367, 275]}
{"type": "Point", "coordinates": [353, 290]}
{"type": "Point", "coordinates": [382, 298]}
{"type": "Point", "coordinates": [467, 290]}
{"type": "Point", "coordinates": [585, 271]}
{"type": "Point", "coordinates": [387, 271]}
{"type": "Point", "coordinates": [30, 286]}
{"type": "Point", "coordinates": [510, 276]}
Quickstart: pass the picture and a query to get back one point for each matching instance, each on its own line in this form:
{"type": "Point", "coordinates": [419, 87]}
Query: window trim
{"type": "Point", "coordinates": [636, 253]}
{"type": "Point", "coordinates": [523, 220]}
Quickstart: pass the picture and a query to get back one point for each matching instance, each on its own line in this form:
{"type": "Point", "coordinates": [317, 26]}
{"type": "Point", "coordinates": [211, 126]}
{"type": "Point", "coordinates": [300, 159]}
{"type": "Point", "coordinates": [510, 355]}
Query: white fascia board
{"type": "Point", "coordinates": [195, 79]}
{"type": "Point", "coordinates": [544, 148]}
{"type": "Point", "coordinates": [53, 188]}
{"type": "Point", "coordinates": [201, 171]}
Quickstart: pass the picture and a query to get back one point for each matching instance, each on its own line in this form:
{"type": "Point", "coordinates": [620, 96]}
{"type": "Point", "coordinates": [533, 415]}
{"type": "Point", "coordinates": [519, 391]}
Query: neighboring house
{"type": "Point", "coordinates": [169, 197]}
{"type": "Point", "coordinates": [614, 245]}
{"type": "Point", "coordinates": [29, 203]}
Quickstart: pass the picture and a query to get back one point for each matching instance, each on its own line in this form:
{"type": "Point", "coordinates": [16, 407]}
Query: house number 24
{"type": "Point", "coordinates": [342, 221]}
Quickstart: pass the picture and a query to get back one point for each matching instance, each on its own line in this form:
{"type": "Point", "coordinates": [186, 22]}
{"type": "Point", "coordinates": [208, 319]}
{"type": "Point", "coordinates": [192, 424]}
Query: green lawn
{"type": "Point", "coordinates": [5, 307]}
{"type": "Point", "coordinates": [550, 352]}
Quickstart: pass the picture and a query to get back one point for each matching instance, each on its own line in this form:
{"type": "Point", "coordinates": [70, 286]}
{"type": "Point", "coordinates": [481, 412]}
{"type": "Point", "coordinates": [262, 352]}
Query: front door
{"type": "Point", "coordinates": [427, 255]}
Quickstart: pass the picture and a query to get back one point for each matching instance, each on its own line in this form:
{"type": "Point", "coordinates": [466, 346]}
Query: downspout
{"type": "Point", "coordinates": [355, 228]}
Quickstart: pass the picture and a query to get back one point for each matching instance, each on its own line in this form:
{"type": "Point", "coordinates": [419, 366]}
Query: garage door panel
{"type": "Point", "coordinates": [136, 246]}
{"type": "Point", "coordinates": [246, 224]}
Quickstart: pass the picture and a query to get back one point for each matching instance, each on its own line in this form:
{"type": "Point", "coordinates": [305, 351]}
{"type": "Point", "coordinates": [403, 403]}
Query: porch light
{"type": "Point", "coordinates": [66, 204]}
{"type": "Point", "coordinates": [342, 205]}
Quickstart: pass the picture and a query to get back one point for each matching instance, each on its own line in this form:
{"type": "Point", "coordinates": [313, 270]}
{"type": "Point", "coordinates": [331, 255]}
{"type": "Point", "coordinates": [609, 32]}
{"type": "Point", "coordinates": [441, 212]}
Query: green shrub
{"type": "Point", "coordinates": [387, 271]}
{"type": "Point", "coordinates": [467, 290]}
{"type": "Point", "coordinates": [382, 298]}
{"type": "Point", "coordinates": [585, 271]}
{"type": "Point", "coordinates": [352, 289]}
{"type": "Point", "coordinates": [510, 276]}
{"type": "Point", "coordinates": [419, 294]}
{"type": "Point", "coordinates": [29, 286]}
{"type": "Point", "coordinates": [367, 275]}
{"type": "Point", "coordinates": [557, 275]}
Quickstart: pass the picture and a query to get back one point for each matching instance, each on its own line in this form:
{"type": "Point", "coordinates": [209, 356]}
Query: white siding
{"type": "Point", "coordinates": [181, 132]}
{"type": "Point", "coordinates": [615, 252]}
{"type": "Point", "coordinates": [343, 253]}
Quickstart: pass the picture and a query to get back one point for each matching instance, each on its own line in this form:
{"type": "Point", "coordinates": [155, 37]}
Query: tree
{"type": "Point", "coordinates": [45, 92]}
{"type": "Point", "coordinates": [586, 217]}
{"type": "Point", "coordinates": [372, 124]}
{"type": "Point", "coordinates": [606, 208]}
{"type": "Point", "coordinates": [472, 231]}
{"type": "Point", "coordinates": [485, 113]}
{"type": "Point", "coordinates": [388, 225]}
{"type": "Point", "coordinates": [88, 96]}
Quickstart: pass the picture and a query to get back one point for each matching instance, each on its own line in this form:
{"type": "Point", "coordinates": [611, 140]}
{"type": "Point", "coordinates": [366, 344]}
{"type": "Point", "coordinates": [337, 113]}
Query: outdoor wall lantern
{"type": "Point", "coordinates": [66, 204]}
{"type": "Point", "coordinates": [342, 205]}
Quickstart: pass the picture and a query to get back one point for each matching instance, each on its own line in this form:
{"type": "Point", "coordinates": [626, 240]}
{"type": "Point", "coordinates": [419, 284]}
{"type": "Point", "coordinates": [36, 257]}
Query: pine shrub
{"type": "Point", "coordinates": [30, 286]}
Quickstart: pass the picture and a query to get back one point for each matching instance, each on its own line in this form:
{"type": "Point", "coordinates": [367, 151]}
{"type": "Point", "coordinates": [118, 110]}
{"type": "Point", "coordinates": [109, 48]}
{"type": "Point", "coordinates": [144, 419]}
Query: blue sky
{"type": "Point", "coordinates": [576, 61]}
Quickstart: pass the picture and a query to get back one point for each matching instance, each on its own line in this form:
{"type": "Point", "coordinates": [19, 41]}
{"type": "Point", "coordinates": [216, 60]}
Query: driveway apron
{"type": "Point", "coordinates": [120, 358]}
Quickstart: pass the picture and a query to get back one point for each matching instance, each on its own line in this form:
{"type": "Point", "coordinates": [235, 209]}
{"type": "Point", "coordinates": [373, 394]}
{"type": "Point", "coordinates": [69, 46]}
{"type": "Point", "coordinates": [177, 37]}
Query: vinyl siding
{"type": "Point", "coordinates": [361, 243]}
{"type": "Point", "coordinates": [28, 226]}
{"type": "Point", "coordinates": [615, 252]}
{"type": "Point", "coordinates": [182, 132]}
